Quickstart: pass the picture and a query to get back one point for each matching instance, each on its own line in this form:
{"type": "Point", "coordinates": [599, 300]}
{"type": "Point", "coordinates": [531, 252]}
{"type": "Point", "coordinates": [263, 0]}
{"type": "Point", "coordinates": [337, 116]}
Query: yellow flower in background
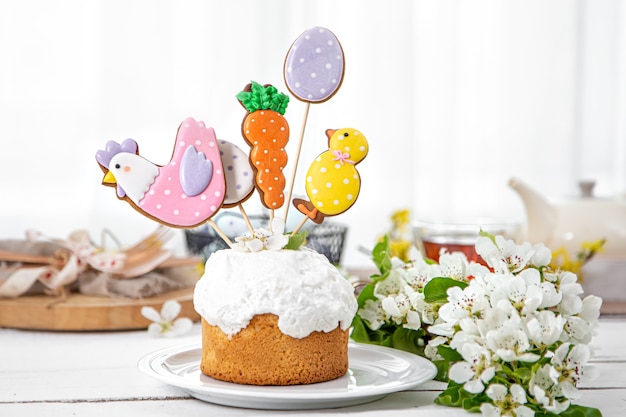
{"type": "Point", "coordinates": [562, 260]}
{"type": "Point", "coordinates": [400, 235]}
{"type": "Point", "coordinates": [401, 218]}
{"type": "Point", "coordinates": [400, 249]}
{"type": "Point", "coordinates": [591, 248]}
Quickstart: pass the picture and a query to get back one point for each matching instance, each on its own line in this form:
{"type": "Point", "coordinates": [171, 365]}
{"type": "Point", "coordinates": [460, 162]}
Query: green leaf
{"type": "Point", "coordinates": [382, 259]}
{"type": "Point", "coordinates": [451, 396]}
{"type": "Point", "coordinates": [449, 356]}
{"type": "Point", "coordinates": [436, 290]}
{"type": "Point", "coordinates": [408, 340]}
{"type": "Point", "coordinates": [443, 367]}
{"type": "Point", "coordinates": [473, 402]}
{"type": "Point", "coordinates": [449, 353]}
{"type": "Point", "coordinates": [363, 334]}
{"type": "Point", "coordinates": [367, 293]}
{"type": "Point", "coordinates": [456, 396]}
{"type": "Point", "coordinates": [359, 331]}
{"type": "Point", "coordinates": [296, 240]}
{"type": "Point", "coordinates": [580, 411]}
{"type": "Point", "coordinates": [523, 375]}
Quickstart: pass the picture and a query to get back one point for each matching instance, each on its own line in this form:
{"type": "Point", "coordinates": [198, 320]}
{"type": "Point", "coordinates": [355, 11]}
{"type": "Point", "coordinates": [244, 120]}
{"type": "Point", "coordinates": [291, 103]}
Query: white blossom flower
{"type": "Point", "coordinates": [590, 310]}
{"type": "Point", "coordinates": [475, 371]}
{"type": "Point", "coordinates": [504, 255]}
{"type": "Point", "coordinates": [427, 311]}
{"type": "Point", "coordinates": [543, 385]}
{"type": "Point", "coordinates": [551, 297]}
{"type": "Point", "coordinates": [263, 239]}
{"type": "Point", "coordinates": [462, 303]}
{"type": "Point", "coordinates": [568, 361]}
{"type": "Point", "coordinates": [278, 239]}
{"type": "Point", "coordinates": [392, 285]}
{"type": "Point", "coordinates": [164, 323]}
{"type": "Point", "coordinates": [413, 320]}
{"type": "Point", "coordinates": [550, 403]}
{"type": "Point", "coordinates": [567, 284]}
{"type": "Point", "coordinates": [490, 252]}
{"type": "Point", "coordinates": [431, 348]}
{"type": "Point", "coordinates": [542, 255]}
{"type": "Point", "coordinates": [545, 327]}
{"type": "Point", "coordinates": [373, 313]}
{"type": "Point", "coordinates": [509, 342]}
{"type": "Point", "coordinates": [399, 310]}
{"type": "Point", "coordinates": [577, 330]}
{"type": "Point", "coordinates": [417, 275]}
{"type": "Point", "coordinates": [506, 402]}
{"type": "Point", "coordinates": [452, 265]}
{"type": "Point", "coordinates": [475, 270]}
{"type": "Point", "coordinates": [515, 289]}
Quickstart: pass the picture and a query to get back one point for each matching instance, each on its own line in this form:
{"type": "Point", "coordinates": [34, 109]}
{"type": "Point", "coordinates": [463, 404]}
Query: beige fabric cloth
{"type": "Point", "coordinates": [18, 279]}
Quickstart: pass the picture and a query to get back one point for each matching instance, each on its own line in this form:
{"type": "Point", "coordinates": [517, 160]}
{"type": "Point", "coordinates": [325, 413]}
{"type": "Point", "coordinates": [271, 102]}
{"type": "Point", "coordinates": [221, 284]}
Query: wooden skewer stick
{"type": "Point", "coordinates": [297, 229]}
{"type": "Point", "coordinates": [246, 219]}
{"type": "Point", "coordinates": [272, 221]}
{"type": "Point", "coordinates": [295, 166]}
{"type": "Point", "coordinates": [271, 225]}
{"type": "Point", "coordinates": [220, 232]}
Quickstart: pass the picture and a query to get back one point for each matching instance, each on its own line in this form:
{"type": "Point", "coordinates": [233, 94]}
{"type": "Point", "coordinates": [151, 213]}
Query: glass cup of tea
{"type": "Point", "coordinates": [459, 235]}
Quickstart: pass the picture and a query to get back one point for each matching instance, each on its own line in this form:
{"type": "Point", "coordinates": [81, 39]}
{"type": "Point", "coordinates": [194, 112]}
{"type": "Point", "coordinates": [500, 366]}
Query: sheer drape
{"type": "Point", "coordinates": [454, 96]}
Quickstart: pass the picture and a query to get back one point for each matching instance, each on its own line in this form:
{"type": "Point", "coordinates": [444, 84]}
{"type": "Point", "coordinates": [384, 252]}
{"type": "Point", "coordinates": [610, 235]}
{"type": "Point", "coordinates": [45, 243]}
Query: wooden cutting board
{"type": "Point", "coordinates": [79, 312]}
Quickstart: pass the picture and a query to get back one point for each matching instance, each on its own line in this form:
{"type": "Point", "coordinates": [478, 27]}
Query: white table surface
{"type": "Point", "coordinates": [96, 374]}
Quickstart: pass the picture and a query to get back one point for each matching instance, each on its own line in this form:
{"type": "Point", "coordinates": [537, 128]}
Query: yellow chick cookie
{"type": "Point", "coordinates": [332, 181]}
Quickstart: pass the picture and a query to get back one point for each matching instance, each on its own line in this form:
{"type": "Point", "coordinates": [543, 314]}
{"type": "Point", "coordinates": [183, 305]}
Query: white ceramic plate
{"type": "Point", "coordinates": [374, 372]}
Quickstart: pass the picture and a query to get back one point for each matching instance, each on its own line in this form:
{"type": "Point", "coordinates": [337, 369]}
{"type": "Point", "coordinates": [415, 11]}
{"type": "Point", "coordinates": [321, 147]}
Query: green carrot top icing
{"type": "Point", "coordinates": [258, 97]}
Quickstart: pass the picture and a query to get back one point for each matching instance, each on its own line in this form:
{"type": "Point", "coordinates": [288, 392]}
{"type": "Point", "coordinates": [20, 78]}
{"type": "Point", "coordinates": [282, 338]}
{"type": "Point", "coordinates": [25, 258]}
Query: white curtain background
{"type": "Point", "coordinates": [455, 98]}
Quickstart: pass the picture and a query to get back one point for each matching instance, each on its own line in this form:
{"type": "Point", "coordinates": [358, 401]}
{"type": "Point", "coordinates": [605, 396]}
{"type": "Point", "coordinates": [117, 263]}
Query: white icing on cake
{"type": "Point", "coordinates": [301, 287]}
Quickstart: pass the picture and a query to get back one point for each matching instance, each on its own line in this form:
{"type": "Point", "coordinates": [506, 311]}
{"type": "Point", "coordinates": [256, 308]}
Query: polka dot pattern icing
{"type": "Point", "coordinates": [332, 180]}
{"type": "Point", "coordinates": [238, 174]}
{"type": "Point", "coordinates": [184, 193]}
{"type": "Point", "coordinates": [314, 66]}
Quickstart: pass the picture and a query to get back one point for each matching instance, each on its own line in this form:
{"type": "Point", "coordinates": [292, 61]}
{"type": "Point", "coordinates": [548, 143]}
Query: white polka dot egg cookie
{"type": "Point", "coordinates": [332, 181]}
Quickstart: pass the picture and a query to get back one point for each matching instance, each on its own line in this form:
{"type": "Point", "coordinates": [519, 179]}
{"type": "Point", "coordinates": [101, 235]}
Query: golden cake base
{"type": "Point", "coordinates": [261, 354]}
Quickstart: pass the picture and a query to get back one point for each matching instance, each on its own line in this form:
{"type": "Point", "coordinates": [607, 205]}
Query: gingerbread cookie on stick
{"type": "Point", "coordinates": [239, 178]}
{"type": "Point", "coordinates": [238, 174]}
{"type": "Point", "coordinates": [314, 66]}
{"type": "Point", "coordinates": [267, 132]}
{"type": "Point", "coordinates": [186, 192]}
{"type": "Point", "coordinates": [332, 181]}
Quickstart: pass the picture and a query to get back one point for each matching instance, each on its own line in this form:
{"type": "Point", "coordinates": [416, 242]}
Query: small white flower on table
{"type": "Point", "coordinates": [164, 323]}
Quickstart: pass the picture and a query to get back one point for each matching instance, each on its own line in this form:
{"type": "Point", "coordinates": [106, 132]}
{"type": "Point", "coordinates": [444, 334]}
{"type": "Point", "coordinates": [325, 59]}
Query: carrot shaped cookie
{"type": "Point", "coordinates": [266, 130]}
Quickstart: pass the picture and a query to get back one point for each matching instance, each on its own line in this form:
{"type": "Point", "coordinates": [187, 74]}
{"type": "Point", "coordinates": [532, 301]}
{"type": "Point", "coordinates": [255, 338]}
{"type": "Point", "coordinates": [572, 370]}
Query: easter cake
{"type": "Point", "coordinates": [274, 317]}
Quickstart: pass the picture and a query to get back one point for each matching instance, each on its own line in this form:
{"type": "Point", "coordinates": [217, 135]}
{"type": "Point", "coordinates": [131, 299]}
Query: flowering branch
{"type": "Point", "coordinates": [510, 338]}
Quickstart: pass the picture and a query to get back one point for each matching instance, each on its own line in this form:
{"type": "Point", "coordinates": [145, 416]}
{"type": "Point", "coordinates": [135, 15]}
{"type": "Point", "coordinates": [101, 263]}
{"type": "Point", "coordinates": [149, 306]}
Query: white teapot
{"type": "Point", "coordinates": [569, 223]}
